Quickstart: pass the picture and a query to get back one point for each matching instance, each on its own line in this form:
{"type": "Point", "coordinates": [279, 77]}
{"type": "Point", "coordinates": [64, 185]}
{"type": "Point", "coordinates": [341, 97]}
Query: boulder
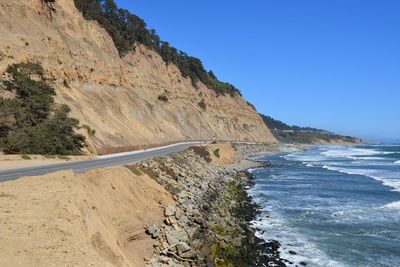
{"type": "Point", "coordinates": [153, 231]}
{"type": "Point", "coordinates": [178, 213]}
{"type": "Point", "coordinates": [171, 239]}
{"type": "Point", "coordinates": [182, 247]}
{"type": "Point", "coordinates": [169, 211]}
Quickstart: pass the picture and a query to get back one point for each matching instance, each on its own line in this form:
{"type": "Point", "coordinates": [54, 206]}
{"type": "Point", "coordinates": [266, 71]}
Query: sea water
{"type": "Point", "coordinates": [332, 205]}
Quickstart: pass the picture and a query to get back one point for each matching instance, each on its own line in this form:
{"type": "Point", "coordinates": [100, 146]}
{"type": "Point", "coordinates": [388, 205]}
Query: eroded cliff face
{"type": "Point", "coordinates": [118, 97]}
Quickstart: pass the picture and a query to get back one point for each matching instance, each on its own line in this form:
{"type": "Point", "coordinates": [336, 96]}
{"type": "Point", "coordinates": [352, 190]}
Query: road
{"type": "Point", "coordinates": [83, 166]}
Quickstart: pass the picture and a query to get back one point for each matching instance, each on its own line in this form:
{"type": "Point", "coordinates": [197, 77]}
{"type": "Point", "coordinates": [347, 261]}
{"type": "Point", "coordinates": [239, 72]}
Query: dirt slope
{"type": "Point", "coordinates": [118, 97]}
{"type": "Point", "coordinates": [94, 219]}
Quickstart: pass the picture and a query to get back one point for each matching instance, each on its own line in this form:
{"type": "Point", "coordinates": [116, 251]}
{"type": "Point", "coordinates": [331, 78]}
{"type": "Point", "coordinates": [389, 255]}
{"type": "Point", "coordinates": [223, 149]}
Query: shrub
{"type": "Point", "coordinates": [25, 157]}
{"type": "Point", "coordinates": [217, 153]}
{"type": "Point", "coordinates": [202, 104]}
{"type": "Point", "coordinates": [202, 152]}
{"type": "Point", "coordinates": [163, 98]}
{"type": "Point", "coordinates": [90, 131]}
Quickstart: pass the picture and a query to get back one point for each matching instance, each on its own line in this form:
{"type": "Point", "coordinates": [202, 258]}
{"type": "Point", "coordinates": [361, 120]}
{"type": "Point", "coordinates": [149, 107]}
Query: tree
{"type": "Point", "coordinates": [127, 29]}
{"type": "Point", "coordinates": [29, 123]}
{"type": "Point", "coordinates": [35, 97]}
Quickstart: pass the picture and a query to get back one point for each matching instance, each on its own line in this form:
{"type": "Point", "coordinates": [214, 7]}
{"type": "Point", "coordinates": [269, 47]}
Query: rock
{"type": "Point", "coordinates": [190, 254]}
{"type": "Point", "coordinates": [165, 259]}
{"type": "Point", "coordinates": [178, 213]}
{"type": "Point", "coordinates": [171, 239]}
{"type": "Point", "coordinates": [167, 221]}
{"type": "Point", "coordinates": [179, 235]}
{"type": "Point", "coordinates": [169, 211]}
{"type": "Point", "coordinates": [153, 231]}
{"type": "Point", "coordinates": [182, 247]}
{"type": "Point", "coordinates": [196, 213]}
{"type": "Point", "coordinates": [292, 252]}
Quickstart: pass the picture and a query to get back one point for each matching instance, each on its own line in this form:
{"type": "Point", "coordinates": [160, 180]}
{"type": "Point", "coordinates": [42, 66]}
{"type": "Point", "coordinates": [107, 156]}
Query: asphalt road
{"type": "Point", "coordinates": [82, 166]}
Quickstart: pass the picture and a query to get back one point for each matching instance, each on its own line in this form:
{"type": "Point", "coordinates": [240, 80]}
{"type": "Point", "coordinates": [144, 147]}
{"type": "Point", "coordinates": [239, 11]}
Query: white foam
{"type": "Point", "coordinates": [390, 179]}
{"type": "Point", "coordinates": [275, 228]}
{"type": "Point", "coordinates": [397, 162]}
{"type": "Point", "coordinates": [366, 158]}
{"type": "Point", "coordinates": [349, 152]}
{"type": "Point", "coordinates": [309, 165]}
{"type": "Point", "coordinates": [393, 205]}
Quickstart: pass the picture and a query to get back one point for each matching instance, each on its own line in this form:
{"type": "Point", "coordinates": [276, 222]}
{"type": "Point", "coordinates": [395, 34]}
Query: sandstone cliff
{"type": "Point", "coordinates": [118, 97]}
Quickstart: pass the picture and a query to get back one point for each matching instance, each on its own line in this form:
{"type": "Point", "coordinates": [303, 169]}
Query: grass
{"type": "Point", "coordinates": [2, 194]}
{"type": "Point", "coordinates": [150, 172]}
{"type": "Point", "coordinates": [25, 157]}
{"type": "Point", "coordinates": [135, 169]}
{"type": "Point", "coordinates": [202, 152]}
{"type": "Point", "coordinates": [168, 171]}
{"type": "Point", "coordinates": [64, 157]}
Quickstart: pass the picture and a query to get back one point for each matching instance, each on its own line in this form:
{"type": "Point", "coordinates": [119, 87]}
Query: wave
{"type": "Point", "coordinates": [348, 152]}
{"type": "Point", "coordinates": [393, 205]}
{"type": "Point", "coordinates": [366, 158]}
{"type": "Point", "coordinates": [274, 227]}
{"type": "Point", "coordinates": [387, 178]}
{"type": "Point", "coordinates": [397, 162]}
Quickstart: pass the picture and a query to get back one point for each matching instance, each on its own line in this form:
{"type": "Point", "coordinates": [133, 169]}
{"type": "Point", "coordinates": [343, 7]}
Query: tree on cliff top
{"type": "Point", "coordinates": [127, 29]}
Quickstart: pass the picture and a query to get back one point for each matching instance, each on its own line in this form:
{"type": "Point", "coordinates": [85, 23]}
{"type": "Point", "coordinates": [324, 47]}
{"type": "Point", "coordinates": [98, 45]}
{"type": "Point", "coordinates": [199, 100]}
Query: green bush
{"type": "Point", "coordinates": [163, 98]}
{"type": "Point", "coordinates": [202, 104]}
{"type": "Point", "coordinates": [217, 153]}
{"type": "Point", "coordinates": [30, 123]}
{"type": "Point", "coordinates": [25, 157]}
{"type": "Point", "coordinates": [90, 131]}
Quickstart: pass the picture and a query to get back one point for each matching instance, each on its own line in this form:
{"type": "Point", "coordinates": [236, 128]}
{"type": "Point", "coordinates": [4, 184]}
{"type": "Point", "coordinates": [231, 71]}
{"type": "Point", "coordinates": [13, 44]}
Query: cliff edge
{"type": "Point", "coordinates": [119, 97]}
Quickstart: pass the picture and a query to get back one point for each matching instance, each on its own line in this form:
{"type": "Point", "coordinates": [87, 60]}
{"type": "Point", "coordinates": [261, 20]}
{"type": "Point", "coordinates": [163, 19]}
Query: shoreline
{"type": "Point", "coordinates": [187, 209]}
{"type": "Point", "coordinates": [213, 207]}
{"type": "Point", "coordinates": [267, 251]}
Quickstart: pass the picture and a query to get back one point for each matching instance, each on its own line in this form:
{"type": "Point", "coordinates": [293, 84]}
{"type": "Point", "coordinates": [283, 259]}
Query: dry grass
{"type": "Point", "coordinates": [2, 194]}
{"type": "Point", "coordinates": [202, 152]}
{"type": "Point", "coordinates": [135, 169]}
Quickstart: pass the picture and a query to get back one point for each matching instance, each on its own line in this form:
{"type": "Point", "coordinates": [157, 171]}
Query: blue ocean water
{"type": "Point", "coordinates": [332, 205]}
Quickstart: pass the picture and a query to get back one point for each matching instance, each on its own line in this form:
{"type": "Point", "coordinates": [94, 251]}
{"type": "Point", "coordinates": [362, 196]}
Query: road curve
{"type": "Point", "coordinates": [82, 166]}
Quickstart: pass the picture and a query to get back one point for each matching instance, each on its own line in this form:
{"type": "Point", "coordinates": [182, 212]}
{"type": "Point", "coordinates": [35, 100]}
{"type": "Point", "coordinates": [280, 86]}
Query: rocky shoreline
{"type": "Point", "coordinates": [210, 223]}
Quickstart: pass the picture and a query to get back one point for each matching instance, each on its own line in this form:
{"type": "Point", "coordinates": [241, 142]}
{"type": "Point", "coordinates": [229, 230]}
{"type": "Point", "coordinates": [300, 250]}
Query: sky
{"type": "Point", "coordinates": [333, 65]}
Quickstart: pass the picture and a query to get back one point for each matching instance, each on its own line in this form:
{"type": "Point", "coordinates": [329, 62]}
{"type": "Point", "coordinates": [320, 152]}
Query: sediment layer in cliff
{"type": "Point", "coordinates": [118, 97]}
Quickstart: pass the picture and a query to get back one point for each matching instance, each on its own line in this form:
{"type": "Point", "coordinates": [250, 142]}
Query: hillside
{"type": "Point", "coordinates": [130, 101]}
{"type": "Point", "coordinates": [305, 135]}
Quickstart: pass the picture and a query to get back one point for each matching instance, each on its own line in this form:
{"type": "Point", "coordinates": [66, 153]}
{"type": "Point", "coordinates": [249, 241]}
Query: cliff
{"type": "Point", "coordinates": [118, 97]}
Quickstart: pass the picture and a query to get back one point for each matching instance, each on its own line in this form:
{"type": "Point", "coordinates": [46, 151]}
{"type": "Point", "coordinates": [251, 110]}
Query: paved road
{"type": "Point", "coordinates": [82, 166]}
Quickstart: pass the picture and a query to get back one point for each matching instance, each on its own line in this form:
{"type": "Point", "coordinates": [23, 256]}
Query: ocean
{"type": "Point", "coordinates": [332, 205]}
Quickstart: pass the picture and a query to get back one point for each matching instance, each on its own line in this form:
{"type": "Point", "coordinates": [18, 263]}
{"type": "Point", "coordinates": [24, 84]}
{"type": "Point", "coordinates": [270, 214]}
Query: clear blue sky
{"type": "Point", "coordinates": [328, 64]}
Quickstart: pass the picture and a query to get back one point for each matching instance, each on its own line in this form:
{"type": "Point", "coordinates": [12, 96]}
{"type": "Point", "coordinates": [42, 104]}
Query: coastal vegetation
{"type": "Point", "coordinates": [90, 131]}
{"type": "Point", "coordinates": [202, 104]}
{"type": "Point", "coordinates": [30, 121]}
{"type": "Point", "coordinates": [127, 30]}
{"type": "Point", "coordinates": [303, 135]}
